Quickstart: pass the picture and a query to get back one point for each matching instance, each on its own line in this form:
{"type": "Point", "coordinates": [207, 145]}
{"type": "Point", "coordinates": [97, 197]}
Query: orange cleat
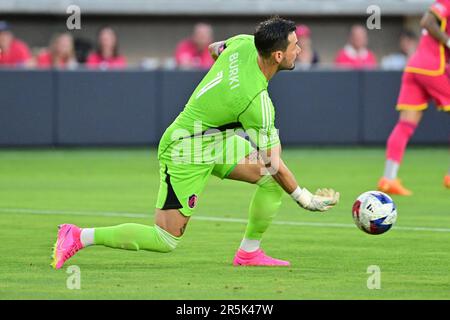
{"type": "Point", "coordinates": [393, 187]}
{"type": "Point", "coordinates": [447, 181]}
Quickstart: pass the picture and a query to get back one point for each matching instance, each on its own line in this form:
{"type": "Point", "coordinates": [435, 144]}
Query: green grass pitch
{"type": "Point", "coordinates": [330, 257]}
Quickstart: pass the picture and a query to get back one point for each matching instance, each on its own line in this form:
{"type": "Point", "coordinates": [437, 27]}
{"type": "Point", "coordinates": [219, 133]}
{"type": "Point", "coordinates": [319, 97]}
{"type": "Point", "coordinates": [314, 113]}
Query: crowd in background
{"type": "Point", "coordinates": [65, 52]}
{"type": "Point", "coordinates": [62, 52]}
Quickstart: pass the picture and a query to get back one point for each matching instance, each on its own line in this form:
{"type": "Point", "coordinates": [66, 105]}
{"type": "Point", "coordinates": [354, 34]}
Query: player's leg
{"type": "Point", "coordinates": [411, 103]}
{"type": "Point", "coordinates": [398, 140]}
{"type": "Point", "coordinates": [164, 236]}
{"type": "Point", "coordinates": [180, 186]}
{"type": "Point", "coordinates": [265, 202]}
{"type": "Point", "coordinates": [264, 205]}
{"type": "Point", "coordinates": [177, 197]}
{"type": "Point", "coordinates": [439, 90]}
{"type": "Point", "coordinates": [395, 149]}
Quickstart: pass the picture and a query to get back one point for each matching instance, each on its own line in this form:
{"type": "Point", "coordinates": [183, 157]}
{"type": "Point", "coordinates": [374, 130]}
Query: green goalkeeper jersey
{"type": "Point", "coordinates": [233, 94]}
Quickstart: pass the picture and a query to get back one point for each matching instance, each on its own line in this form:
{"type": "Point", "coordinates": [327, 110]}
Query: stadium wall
{"type": "Point", "coordinates": [57, 108]}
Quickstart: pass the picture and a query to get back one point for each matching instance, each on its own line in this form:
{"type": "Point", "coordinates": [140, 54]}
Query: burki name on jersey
{"type": "Point", "coordinates": [234, 71]}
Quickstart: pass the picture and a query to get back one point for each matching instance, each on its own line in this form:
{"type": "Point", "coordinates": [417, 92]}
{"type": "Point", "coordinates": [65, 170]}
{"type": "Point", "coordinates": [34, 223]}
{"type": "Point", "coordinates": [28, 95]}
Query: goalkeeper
{"type": "Point", "coordinates": [198, 144]}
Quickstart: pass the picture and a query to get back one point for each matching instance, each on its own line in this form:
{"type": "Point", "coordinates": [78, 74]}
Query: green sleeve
{"type": "Point", "coordinates": [239, 37]}
{"type": "Point", "coordinates": [258, 121]}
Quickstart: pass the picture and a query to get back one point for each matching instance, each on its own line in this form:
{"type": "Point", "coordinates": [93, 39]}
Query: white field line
{"type": "Point", "coordinates": [202, 218]}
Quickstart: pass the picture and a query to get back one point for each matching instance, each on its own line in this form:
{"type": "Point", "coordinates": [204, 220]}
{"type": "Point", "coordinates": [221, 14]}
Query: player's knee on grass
{"type": "Point", "coordinates": [168, 241]}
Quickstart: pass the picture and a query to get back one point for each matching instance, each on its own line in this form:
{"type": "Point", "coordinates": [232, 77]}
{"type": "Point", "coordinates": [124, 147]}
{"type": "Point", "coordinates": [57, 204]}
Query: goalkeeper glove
{"type": "Point", "coordinates": [322, 200]}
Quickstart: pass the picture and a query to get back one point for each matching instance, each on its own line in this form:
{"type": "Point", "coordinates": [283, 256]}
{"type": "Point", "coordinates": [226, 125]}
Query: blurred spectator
{"type": "Point", "coordinates": [355, 54]}
{"type": "Point", "coordinates": [193, 53]}
{"type": "Point", "coordinates": [407, 45]}
{"type": "Point", "coordinates": [308, 57]}
{"type": "Point", "coordinates": [107, 54]}
{"type": "Point", "coordinates": [13, 52]}
{"type": "Point", "coordinates": [60, 54]}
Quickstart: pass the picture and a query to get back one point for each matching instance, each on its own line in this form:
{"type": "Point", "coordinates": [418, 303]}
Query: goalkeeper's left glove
{"type": "Point", "coordinates": [322, 200]}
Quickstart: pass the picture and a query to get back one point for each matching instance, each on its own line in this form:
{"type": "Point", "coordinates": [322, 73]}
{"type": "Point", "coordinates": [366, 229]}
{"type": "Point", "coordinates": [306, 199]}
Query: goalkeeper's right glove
{"type": "Point", "coordinates": [322, 200]}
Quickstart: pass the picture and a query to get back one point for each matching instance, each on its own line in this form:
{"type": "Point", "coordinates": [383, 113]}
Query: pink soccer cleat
{"type": "Point", "coordinates": [257, 258]}
{"type": "Point", "coordinates": [67, 244]}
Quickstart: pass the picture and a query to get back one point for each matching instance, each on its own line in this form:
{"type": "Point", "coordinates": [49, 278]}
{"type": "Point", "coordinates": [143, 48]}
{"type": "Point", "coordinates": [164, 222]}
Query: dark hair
{"type": "Point", "coordinates": [272, 35]}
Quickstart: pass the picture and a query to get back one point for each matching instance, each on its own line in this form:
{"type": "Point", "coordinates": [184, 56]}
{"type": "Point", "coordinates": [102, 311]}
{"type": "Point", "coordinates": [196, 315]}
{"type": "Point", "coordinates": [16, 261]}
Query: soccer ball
{"type": "Point", "coordinates": [374, 212]}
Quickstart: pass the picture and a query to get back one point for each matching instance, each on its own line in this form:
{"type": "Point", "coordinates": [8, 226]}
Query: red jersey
{"type": "Point", "coordinates": [17, 54]}
{"type": "Point", "coordinates": [94, 60]}
{"type": "Point", "coordinates": [349, 57]}
{"type": "Point", "coordinates": [188, 54]}
{"type": "Point", "coordinates": [432, 56]}
{"type": "Point", "coordinates": [44, 60]}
